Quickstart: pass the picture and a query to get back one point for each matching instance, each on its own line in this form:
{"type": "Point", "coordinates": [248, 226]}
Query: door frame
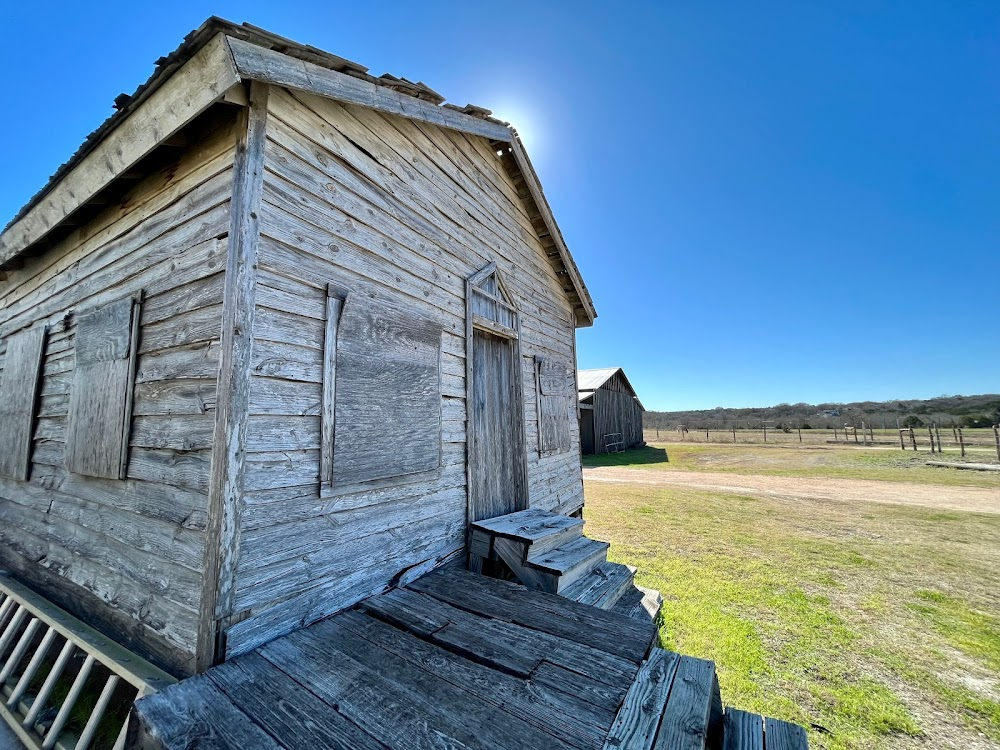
{"type": "Point", "coordinates": [473, 322]}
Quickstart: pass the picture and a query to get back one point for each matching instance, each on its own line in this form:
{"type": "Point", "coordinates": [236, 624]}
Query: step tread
{"type": "Point", "coordinates": [744, 730]}
{"type": "Point", "coordinates": [688, 714]}
{"type": "Point", "coordinates": [639, 604]}
{"type": "Point", "coordinates": [603, 586]}
{"type": "Point", "coordinates": [529, 525]}
{"type": "Point", "coordinates": [569, 556]}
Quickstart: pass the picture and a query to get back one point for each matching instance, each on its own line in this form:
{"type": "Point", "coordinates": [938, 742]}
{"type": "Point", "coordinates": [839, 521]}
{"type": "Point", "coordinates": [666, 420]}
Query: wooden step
{"type": "Point", "coordinates": [570, 562]}
{"type": "Point", "coordinates": [640, 604]}
{"type": "Point", "coordinates": [603, 586]}
{"type": "Point", "coordinates": [746, 731]}
{"type": "Point", "coordinates": [540, 530]}
{"type": "Point", "coordinates": [673, 704]}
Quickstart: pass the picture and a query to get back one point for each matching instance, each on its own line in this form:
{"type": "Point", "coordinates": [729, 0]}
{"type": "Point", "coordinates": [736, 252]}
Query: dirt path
{"type": "Point", "coordinates": [977, 499]}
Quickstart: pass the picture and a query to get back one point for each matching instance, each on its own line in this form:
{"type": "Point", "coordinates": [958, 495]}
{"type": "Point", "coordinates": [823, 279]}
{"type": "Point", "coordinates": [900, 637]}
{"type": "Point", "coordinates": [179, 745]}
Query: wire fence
{"type": "Point", "coordinates": [964, 442]}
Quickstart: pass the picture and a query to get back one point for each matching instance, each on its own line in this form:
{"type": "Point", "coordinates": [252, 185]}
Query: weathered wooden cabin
{"type": "Point", "coordinates": [610, 411]}
{"type": "Point", "coordinates": [280, 337]}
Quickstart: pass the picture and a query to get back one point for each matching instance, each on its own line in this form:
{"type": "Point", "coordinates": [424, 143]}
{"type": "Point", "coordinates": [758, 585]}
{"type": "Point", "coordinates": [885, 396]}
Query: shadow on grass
{"type": "Point", "coordinates": [634, 457]}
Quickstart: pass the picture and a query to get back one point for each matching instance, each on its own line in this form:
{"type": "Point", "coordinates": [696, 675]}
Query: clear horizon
{"type": "Point", "coordinates": [776, 202]}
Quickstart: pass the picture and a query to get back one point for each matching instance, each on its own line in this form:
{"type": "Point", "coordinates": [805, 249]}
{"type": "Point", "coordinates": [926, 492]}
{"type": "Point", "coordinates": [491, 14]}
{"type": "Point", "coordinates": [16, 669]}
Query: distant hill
{"type": "Point", "coordinates": [946, 411]}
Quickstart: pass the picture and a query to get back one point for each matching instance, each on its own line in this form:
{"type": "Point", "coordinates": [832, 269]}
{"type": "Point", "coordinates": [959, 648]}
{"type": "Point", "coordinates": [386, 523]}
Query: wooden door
{"type": "Point", "coordinates": [498, 452]}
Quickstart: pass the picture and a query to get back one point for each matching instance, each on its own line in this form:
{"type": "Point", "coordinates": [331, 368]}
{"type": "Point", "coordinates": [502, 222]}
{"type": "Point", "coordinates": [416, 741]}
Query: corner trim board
{"type": "Point", "coordinates": [225, 491]}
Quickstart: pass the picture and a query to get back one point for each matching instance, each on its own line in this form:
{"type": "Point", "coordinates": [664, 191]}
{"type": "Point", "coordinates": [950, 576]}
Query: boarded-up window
{"type": "Point", "coordinates": [18, 397]}
{"type": "Point", "coordinates": [382, 392]}
{"type": "Point", "coordinates": [554, 405]}
{"type": "Point", "coordinates": [100, 404]}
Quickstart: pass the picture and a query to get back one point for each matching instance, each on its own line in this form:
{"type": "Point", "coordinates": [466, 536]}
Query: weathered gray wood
{"type": "Point", "coordinates": [685, 723]}
{"type": "Point", "coordinates": [228, 457]}
{"type": "Point", "coordinates": [782, 735]}
{"type": "Point", "coordinates": [261, 64]}
{"type": "Point", "coordinates": [388, 386]}
{"type": "Point", "coordinates": [742, 730]}
{"type": "Point", "coordinates": [22, 365]}
{"type": "Point", "coordinates": [603, 587]}
{"type": "Point", "coordinates": [194, 713]}
{"type": "Point", "coordinates": [286, 710]}
{"type": "Point", "coordinates": [452, 711]}
{"type": "Point", "coordinates": [553, 711]}
{"type": "Point", "coordinates": [560, 617]}
{"type": "Point", "coordinates": [639, 717]}
{"type": "Point", "coordinates": [333, 307]}
{"type": "Point", "coordinates": [540, 529]}
{"type": "Point", "coordinates": [187, 93]}
{"type": "Point", "coordinates": [100, 401]}
{"type": "Point", "coordinates": [554, 404]}
{"type": "Point", "coordinates": [601, 698]}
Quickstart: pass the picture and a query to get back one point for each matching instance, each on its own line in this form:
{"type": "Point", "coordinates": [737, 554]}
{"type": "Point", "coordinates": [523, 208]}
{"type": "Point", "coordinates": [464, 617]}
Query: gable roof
{"type": "Point", "coordinates": [589, 381]}
{"type": "Point", "coordinates": [210, 63]}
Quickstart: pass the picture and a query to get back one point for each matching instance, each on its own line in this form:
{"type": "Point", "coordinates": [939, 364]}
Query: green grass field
{"type": "Point", "coordinates": [875, 625]}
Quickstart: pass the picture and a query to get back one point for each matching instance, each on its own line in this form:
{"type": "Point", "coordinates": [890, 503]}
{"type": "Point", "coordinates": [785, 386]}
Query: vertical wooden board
{"type": "Point", "coordinates": [388, 393]}
{"type": "Point", "coordinates": [637, 721]}
{"type": "Point", "coordinates": [554, 406]}
{"type": "Point", "coordinates": [742, 730]}
{"type": "Point", "coordinates": [782, 735]}
{"type": "Point", "coordinates": [686, 717]}
{"type": "Point", "coordinates": [333, 307]}
{"type": "Point", "coordinates": [96, 436]}
{"type": "Point", "coordinates": [18, 399]}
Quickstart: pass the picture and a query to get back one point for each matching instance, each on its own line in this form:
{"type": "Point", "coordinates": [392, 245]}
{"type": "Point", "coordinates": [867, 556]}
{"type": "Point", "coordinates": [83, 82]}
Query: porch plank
{"type": "Point", "coordinates": [194, 713]}
{"type": "Point", "coordinates": [636, 723]}
{"type": "Point", "coordinates": [551, 710]}
{"type": "Point", "coordinates": [781, 735]}
{"type": "Point", "coordinates": [688, 709]}
{"type": "Point", "coordinates": [502, 600]}
{"type": "Point", "coordinates": [290, 712]}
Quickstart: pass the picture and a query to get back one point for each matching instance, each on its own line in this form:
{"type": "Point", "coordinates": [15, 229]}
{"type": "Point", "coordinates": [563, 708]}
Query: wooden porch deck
{"type": "Point", "coordinates": [454, 660]}
{"type": "Point", "coordinates": [458, 660]}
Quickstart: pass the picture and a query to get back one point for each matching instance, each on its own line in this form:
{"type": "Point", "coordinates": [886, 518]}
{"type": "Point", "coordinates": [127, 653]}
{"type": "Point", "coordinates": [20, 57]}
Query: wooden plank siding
{"type": "Point", "coordinates": [126, 554]}
{"type": "Point", "coordinates": [397, 212]}
{"type": "Point", "coordinates": [616, 411]}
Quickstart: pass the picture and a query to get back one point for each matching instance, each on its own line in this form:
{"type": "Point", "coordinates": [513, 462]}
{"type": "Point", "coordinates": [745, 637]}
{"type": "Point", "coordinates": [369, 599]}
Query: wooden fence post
{"type": "Point", "coordinates": [734, 433]}
{"type": "Point", "coordinates": [913, 439]}
{"type": "Point", "coordinates": [902, 445]}
{"type": "Point", "coordinates": [855, 430]}
{"type": "Point", "coordinates": [835, 438]}
{"type": "Point", "coordinates": [930, 434]}
{"type": "Point", "coordinates": [937, 434]}
{"type": "Point", "coordinates": [961, 441]}
{"type": "Point", "coordinates": [706, 434]}
{"type": "Point", "coordinates": [765, 432]}
{"type": "Point", "coordinates": [800, 434]}
{"type": "Point", "coordinates": [996, 437]}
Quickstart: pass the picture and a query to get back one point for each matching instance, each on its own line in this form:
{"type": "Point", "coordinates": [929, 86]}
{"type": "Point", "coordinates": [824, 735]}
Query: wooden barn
{"type": "Point", "coordinates": [283, 337]}
{"type": "Point", "coordinates": [610, 411]}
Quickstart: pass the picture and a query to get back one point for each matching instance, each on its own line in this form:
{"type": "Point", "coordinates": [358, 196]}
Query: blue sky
{"type": "Point", "coordinates": [770, 201]}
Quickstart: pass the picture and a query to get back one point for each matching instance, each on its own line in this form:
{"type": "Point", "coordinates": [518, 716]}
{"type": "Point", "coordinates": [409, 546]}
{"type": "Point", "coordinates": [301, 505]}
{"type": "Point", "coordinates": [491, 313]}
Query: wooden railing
{"type": "Point", "coordinates": [62, 683]}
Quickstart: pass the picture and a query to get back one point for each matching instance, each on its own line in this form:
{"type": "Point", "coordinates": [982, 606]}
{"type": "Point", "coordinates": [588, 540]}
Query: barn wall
{"type": "Point", "coordinates": [126, 555]}
{"type": "Point", "coordinates": [616, 410]}
{"type": "Point", "coordinates": [397, 211]}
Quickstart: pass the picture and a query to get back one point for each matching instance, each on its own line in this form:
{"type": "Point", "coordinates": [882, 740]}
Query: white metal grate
{"type": "Point", "coordinates": [62, 682]}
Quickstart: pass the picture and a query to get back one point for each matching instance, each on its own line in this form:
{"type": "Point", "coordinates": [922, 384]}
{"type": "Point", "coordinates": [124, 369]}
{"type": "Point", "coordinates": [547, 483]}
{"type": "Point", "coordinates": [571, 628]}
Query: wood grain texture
{"type": "Point", "coordinates": [638, 719]}
{"type": "Point", "coordinates": [685, 724]}
{"type": "Point", "coordinates": [228, 456]}
{"type": "Point", "coordinates": [742, 730]}
{"type": "Point", "coordinates": [782, 735]}
{"type": "Point", "coordinates": [100, 401]}
{"type": "Point", "coordinates": [260, 64]}
{"type": "Point", "coordinates": [22, 367]}
{"type": "Point", "coordinates": [334, 304]}
{"type": "Point", "coordinates": [388, 384]}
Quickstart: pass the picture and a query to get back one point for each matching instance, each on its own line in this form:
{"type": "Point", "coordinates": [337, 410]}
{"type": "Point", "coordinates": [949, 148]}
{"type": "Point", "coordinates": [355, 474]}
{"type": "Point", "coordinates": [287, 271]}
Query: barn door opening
{"type": "Point", "coordinates": [497, 458]}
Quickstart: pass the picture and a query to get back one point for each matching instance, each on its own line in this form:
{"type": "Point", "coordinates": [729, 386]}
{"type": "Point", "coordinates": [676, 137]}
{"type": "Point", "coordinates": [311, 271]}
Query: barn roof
{"type": "Point", "coordinates": [589, 381]}
{"type": "Point", "coordinates": [209, 63]}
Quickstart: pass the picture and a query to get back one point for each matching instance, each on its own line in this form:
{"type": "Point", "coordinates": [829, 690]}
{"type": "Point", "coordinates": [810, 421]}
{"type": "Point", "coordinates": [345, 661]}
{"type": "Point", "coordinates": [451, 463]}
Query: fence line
{"type": "Point", "coordinates": [960, 440]}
